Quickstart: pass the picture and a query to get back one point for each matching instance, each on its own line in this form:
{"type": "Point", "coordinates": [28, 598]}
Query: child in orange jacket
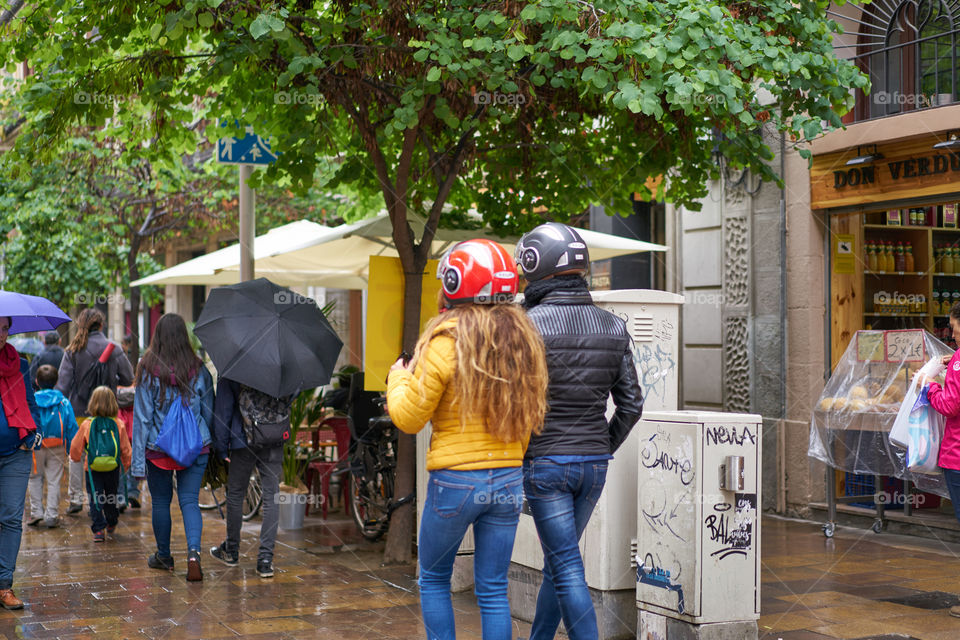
{"type": "Point", "coordinates": [102, 481]}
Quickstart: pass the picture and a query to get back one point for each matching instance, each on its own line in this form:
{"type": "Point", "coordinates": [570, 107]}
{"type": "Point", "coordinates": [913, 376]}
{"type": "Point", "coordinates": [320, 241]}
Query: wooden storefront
{"type": "Point", "coordinates": [907, 196]}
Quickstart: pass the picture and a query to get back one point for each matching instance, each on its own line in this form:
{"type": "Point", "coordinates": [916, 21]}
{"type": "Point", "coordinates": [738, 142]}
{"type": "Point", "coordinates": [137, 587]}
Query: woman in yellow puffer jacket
{"type": "Point", "coordinates": [479, 375]}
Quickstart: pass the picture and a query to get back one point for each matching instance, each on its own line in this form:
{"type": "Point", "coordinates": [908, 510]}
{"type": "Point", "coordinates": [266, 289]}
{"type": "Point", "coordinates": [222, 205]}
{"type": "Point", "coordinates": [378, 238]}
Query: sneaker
{"type": "Point", "coordinates": [955, 611]}
{"type": "Point", "coordinates": [34, 522]}
{"type": "Point", "coordinates": [51, 523]}
{"type": "Point", "coordinates": [111, 528]}
{"type": "Point", "coordinates": [10, 601]}
{"type": "Point", "coordinates": [98, 536]}
{"type": "Point", "coordinates": [74, 508]}
{"type": "Point", "coordinates": [226, 557]}
{"type": "Point", "coordinates": [134, 503]}
{"type": "Point", "coordinates": [194, 573]}
{"type": "Point", "coordinates": [156, 561]}
{"type": "Point", "coordinates": [265, 568]}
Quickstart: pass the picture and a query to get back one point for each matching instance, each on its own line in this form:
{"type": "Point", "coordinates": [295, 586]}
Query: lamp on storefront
{"type": "Point", "coordinates": [865, 158]}
{"type": "Point", "coordinates": [952, 141]}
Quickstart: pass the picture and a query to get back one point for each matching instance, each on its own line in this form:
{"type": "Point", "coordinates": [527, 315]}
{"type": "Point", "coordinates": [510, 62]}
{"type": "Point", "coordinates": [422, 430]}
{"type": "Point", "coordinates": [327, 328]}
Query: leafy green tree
{"type": "Point", "coordinates": [507, 106]}
{"type": "Point", "coordinates": [47, 249]}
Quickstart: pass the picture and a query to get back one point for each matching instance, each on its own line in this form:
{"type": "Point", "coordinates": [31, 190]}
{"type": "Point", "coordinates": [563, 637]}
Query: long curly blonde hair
{"type": "Point", "coordinates": [501, 371]}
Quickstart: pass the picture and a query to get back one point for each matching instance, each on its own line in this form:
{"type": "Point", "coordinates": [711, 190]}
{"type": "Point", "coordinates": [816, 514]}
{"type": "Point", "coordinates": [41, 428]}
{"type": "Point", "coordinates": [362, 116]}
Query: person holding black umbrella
{"type": "Point", "coordinates": [268, 344]}
{"type": "Point", "coordinates": [171, 372]}
{"type": "Point", "coordinates": [249, 432]}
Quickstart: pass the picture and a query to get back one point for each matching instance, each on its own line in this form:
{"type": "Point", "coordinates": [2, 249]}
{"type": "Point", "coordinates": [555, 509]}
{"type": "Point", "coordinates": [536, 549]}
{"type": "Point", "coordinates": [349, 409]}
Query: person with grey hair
{"type": "Point", "coordinates": [52, 354]}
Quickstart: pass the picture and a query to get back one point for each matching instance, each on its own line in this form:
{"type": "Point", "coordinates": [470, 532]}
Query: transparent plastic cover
{"type": "Point", "coordinates": [851, 423]}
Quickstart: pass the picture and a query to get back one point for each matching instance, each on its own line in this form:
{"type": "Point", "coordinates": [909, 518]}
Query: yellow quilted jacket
{"type": "Point", "coordinates": [413, 401]}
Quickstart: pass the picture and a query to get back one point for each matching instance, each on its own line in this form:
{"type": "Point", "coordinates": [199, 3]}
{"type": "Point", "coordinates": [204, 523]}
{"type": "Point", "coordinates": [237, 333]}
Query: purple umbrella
{"type": "Point", "coordinates": [30, 313]}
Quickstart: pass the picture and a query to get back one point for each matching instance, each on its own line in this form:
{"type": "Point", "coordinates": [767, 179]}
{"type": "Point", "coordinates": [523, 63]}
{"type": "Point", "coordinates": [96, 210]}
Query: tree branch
{"type": "Point", "coordinates": [433, 220]}
{"type": "Point", "coordinates": [10, 13]}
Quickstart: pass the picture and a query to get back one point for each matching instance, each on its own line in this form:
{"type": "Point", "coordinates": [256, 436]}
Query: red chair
{"type": "Point", "coordinates": [323, 469]}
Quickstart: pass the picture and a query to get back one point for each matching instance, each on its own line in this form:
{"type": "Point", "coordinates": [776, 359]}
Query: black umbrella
{"type": "Point", "coordinates": [268, 337]}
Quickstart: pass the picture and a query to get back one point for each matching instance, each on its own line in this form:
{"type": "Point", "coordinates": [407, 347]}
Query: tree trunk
{"type": "Point", "coordinates": [399, 548]}
{"type": "Point", "coordinates": [134, 273]}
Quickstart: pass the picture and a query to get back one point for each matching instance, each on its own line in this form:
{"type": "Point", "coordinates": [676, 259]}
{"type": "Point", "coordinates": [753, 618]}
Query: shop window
{"type": "Point", "coordinates": [911, 50]}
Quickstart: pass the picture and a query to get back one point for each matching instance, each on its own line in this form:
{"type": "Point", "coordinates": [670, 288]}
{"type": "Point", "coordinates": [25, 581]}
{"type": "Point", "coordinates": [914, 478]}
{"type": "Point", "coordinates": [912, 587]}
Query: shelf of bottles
{"type": "Point", "coordinates": [911, 268]}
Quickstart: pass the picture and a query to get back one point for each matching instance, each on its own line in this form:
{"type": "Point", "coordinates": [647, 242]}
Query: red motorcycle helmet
{"type": "Point", "coordinates": [478, 272]}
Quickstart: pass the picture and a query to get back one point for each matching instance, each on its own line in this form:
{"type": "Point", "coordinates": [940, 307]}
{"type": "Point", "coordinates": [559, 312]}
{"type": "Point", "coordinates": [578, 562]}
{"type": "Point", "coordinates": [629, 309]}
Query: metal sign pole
{"type": "Point", "coordinates": [247, 223]}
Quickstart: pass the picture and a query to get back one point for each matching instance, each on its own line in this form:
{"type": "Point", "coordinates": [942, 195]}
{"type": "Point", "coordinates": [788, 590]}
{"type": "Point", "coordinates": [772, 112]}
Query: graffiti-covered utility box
{"type": "Point", "coordinates": [652, 318]}
{"type": "Point", "coordinates": [698, 528]}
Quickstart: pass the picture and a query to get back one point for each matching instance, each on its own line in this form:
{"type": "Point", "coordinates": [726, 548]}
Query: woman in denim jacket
{"type": "Point", "coordinates": [479, 375]}
{"type": "Point", "coordinates": [168, 371]}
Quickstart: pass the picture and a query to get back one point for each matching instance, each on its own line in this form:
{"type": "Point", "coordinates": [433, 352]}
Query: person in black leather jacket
{"type": "Point", "coordinates": [589, 359]}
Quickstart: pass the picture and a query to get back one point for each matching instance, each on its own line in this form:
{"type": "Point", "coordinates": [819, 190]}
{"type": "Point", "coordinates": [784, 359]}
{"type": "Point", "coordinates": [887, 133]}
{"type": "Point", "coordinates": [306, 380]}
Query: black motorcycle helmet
{"type": "Point", "coordinates": [550, 249]}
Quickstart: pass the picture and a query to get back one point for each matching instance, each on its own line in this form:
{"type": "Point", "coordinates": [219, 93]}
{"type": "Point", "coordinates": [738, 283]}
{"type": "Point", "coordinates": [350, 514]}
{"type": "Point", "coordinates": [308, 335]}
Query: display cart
{"type": "Point", "coordinates": [850, 425]}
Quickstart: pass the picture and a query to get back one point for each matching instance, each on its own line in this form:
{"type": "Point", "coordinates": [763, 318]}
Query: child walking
{"type": "Point", "coordinates": [57, 426]}
{"type": "Point", "coordinates": [103, 444]}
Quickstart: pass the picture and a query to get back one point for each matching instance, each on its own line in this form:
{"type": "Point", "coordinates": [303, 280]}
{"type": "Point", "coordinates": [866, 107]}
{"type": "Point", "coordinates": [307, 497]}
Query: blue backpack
{"type": "Point", "coordinates": [52, 426]}
{"type": "Point", "coordinates": [179, 435]}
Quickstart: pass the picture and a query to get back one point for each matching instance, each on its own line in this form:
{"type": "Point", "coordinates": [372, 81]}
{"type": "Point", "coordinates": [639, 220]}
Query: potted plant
{"type": "Point", "coordinates": [292, 497]}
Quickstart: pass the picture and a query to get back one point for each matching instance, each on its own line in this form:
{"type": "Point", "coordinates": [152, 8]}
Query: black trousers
{"type": "Point", "coordinates": [103, 498]}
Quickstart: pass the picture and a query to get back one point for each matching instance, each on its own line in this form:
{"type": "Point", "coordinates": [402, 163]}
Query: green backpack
{"type": "Point", "coordinates": [103, 446]}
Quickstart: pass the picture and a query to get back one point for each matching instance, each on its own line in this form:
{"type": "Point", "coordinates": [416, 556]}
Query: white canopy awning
{"type": "Point", "coordinates": [305, 253]}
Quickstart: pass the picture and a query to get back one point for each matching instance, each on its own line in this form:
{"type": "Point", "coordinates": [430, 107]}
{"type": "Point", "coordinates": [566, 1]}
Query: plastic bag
{"type": "Point", "coordinates": [932, 369]}
{"type": "Point", "coordinates": [925, 434]}
{"type": "Point", "coordinates": [900, 432]}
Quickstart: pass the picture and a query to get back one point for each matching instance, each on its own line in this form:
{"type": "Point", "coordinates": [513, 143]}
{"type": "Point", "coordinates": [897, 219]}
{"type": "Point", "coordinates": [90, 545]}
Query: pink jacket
{"type": "Point", "coordinates": [946, 400]}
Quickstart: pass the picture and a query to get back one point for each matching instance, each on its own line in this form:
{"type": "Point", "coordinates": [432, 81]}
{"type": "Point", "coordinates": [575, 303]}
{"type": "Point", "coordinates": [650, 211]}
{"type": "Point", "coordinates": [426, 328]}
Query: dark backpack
{"type": "Point", "coordinates": [96, 376]}
{"type": "Point", "coordinates": [266, 420]}
{"type": "Point", "coordinates": [103, 445]}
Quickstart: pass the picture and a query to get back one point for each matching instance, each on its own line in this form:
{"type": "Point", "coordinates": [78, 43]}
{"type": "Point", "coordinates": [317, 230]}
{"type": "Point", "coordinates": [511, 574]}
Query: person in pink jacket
{"type": "Point", "coordinates": [946, 401]}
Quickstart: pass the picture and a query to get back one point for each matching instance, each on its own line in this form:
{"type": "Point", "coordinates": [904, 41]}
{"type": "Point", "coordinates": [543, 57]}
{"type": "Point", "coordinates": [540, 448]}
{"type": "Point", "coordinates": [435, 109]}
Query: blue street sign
{"type": "Point", "coordinates": [251, 149]}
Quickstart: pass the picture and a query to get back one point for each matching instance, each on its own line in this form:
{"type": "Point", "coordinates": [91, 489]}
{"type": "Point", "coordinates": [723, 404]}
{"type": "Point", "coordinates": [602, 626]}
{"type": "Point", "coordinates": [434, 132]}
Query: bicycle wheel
{"type": "Point", "coordinates": [370, 503]}
{"type": "Point", "coordinates": [254, 497]}
{"type": "Point", "coordinates": [213, 498]}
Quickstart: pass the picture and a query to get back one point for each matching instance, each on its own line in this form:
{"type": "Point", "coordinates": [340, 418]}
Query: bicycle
{"type": "Point", "coordinates": [372, 462]}
{"type": "Point", "coordinates": [252, 501]}
{"type": "Point", "coordinates": [372, 469]}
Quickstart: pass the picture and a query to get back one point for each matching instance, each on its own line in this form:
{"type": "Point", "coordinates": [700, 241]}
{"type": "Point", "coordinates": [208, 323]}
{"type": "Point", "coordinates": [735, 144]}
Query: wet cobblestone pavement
{"type": "Point", "coordinates": [857, 585]}
{"type": "Point", "coordinates": [329, 583]}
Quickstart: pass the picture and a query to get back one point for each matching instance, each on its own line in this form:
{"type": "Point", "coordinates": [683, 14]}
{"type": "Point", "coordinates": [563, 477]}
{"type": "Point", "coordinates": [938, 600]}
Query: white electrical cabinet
{"type": "Point", "coordinates": [698, 525]}
{"type": "Point", "coordinates": [653, 321]}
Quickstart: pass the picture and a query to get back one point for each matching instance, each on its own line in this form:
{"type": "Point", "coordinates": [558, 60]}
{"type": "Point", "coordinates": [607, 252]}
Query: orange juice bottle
{"type": "Point", "coordinates": [908, 259]}
{"type": "Point", "coordinates": [947, 265]}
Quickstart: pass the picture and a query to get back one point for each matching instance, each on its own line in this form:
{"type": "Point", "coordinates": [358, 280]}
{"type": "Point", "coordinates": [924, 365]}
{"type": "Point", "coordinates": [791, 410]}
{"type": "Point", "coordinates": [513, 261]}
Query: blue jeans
{"type": "Point", "coordinates": [129, 488]}
{"type": "Point", "coordinates": [490, 500]}
{"type": "Point", "coordinates": [189, 480]}
{"type": "Point", "coordinates": [952, 478]}
{"type": "Point", "coordinates": [14, 475]}
{"type": "Point", "coordinates": [561, 499]}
